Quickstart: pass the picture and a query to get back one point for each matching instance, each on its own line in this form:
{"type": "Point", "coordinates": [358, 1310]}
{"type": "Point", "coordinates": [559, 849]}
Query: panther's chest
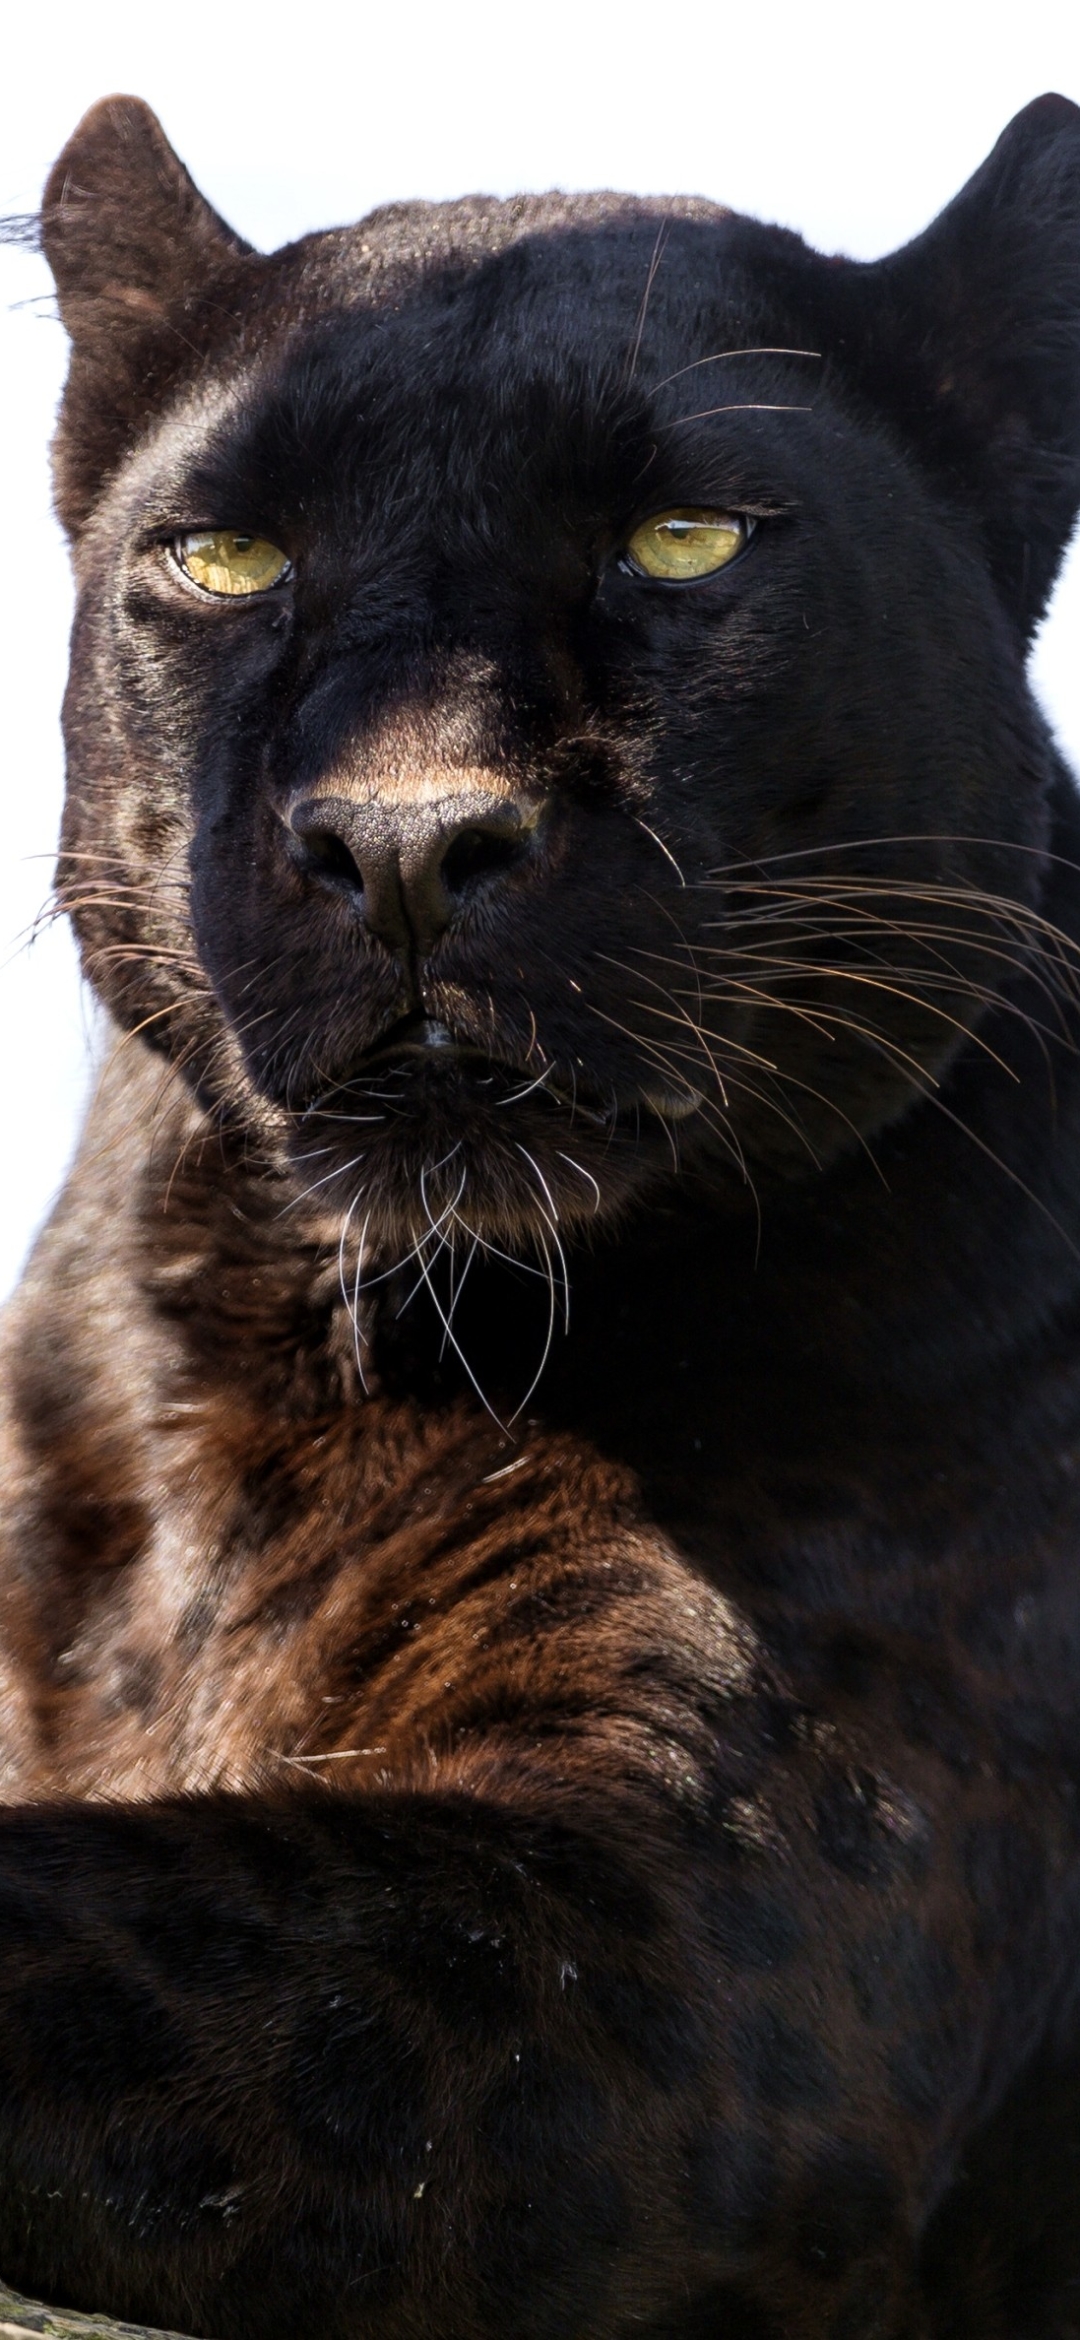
{"type": "Point", "coordinates": [259, 1598]}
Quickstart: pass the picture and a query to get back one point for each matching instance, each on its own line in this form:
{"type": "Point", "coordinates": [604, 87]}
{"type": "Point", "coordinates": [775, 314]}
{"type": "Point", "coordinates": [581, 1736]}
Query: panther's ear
{"type": "Point", "coordinates": [144, 272]}
{"type": "Point", "coordinates": [971, 336]}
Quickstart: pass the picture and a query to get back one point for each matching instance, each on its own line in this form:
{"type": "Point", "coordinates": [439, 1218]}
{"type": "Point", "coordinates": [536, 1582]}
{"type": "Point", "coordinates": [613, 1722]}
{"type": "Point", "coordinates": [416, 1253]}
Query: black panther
{"type": "Point", "coordinates": [540, 1622]}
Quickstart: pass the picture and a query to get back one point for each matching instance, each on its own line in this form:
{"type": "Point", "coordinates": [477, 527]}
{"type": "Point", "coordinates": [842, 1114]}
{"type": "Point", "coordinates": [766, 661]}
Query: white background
{"type": "Point", "coordinates": [850, 122]}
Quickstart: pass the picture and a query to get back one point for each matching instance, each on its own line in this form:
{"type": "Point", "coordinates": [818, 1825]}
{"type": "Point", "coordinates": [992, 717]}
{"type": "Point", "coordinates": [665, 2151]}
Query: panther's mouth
{"type": "Point", "coordinates": [418, 1043]}
{"type": "Point", "coordinates": [423, 1036]}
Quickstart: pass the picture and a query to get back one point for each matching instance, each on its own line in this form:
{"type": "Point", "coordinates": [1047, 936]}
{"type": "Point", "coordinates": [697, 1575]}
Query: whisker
{"type": "Point", "coordinates": [743, 406]}
{"type": "Point", "coordinates": [353, 1311]}
{"type": "Point", "coordinates": [534, 1383]}
{"type": "Point", "coordinates": [459, 1351]}
{"type": "Point", "coordinates": [665, 849]}
{"type": "Point", "coordinates": [582, 1173]}
{"type": "Point", "coordinates": [719, 356]}
{"type": "Point", "coordinates": [516, 1095]}
{"type": "Point", "coordinates": [662, 234]}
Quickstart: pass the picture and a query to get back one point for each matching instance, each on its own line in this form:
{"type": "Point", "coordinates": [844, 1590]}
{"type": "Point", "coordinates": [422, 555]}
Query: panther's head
{"type": "Point", "coordinates": [547, 706]}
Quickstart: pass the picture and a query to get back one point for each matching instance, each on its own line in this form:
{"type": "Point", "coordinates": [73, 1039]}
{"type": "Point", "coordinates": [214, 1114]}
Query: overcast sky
{"type": "Point", "coordinates": [851, 123]}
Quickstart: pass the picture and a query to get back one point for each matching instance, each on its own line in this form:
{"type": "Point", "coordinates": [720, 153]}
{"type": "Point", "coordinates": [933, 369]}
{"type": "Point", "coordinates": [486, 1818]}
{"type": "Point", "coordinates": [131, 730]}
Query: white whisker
{"type": "Point", "coordinates": [586, 1174]}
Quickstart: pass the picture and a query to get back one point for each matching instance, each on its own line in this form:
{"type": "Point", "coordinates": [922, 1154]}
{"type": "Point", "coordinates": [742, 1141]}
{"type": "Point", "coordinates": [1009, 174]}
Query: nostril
{"type": "Point", "coordinates": [478, 853]}
{"type": "Point", "coordinates": [328, 856]}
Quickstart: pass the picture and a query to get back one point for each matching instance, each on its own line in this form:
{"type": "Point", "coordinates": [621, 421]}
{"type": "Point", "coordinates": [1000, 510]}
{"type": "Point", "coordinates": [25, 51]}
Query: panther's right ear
{"type": "Point", "coordinates": [146, 276]}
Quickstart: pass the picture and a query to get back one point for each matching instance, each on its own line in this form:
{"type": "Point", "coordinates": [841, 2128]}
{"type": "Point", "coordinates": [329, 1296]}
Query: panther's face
{"type": "Point", "coordinates": [547, 710]}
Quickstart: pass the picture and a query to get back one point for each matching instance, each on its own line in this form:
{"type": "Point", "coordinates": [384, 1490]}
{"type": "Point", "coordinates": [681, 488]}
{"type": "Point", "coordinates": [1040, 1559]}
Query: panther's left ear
{"type": "Point", "coordinates": [970, 336]}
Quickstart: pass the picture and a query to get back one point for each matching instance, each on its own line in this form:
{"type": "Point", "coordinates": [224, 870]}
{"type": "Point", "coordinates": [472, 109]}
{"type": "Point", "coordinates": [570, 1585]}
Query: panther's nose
{"type": "Point", "coordinates": [411, 866]}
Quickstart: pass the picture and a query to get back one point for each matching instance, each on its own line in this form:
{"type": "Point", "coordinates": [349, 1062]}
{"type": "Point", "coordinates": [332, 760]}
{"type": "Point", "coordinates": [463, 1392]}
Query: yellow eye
{"type": "Point", "coordinates": [222, 562]}
{"type": "Point", "coordinates": [681, 545]}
